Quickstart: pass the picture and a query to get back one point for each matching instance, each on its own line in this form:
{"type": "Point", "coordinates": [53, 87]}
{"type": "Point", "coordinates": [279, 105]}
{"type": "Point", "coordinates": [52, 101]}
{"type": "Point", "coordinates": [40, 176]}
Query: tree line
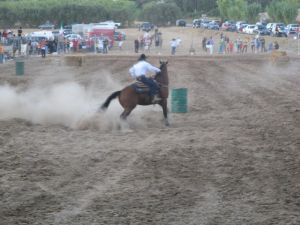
{"type": "Point", "coordinates": [29, 13]}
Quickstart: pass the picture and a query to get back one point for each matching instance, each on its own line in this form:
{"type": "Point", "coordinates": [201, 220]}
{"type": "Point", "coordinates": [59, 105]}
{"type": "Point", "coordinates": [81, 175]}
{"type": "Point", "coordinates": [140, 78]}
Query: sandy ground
{"type": "Point", "coordinates": [232, 159]}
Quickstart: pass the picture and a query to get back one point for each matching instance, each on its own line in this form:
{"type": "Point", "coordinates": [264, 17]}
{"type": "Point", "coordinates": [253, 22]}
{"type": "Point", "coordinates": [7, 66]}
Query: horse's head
{"type": "Point", "coordinates": [163, 64]}
{"type": "Point", "coordinates": [162, 77]}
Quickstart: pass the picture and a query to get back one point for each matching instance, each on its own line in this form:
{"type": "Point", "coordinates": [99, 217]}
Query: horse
{"type": "Point", "coordinates": [129, 98]}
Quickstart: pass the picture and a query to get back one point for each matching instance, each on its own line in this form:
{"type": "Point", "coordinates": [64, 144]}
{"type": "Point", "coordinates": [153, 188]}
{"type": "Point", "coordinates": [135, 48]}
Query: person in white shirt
{"type": "Point", "coordinates": [139, 72]}
{"type": "Point", "coordinates": [174, 44]}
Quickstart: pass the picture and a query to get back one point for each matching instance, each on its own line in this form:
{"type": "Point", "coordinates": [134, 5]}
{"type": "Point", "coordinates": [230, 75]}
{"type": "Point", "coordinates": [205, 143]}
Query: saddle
{"type": "Point", "coordinates": [140, 87]}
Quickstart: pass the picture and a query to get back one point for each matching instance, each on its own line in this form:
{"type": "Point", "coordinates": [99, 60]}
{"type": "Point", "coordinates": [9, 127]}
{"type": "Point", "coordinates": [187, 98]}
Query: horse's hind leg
{"type": "Point", "coordinates": [125, 113]}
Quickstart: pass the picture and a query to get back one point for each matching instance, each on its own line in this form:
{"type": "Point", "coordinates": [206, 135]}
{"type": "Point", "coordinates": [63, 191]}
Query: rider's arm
{"type": "Point", "coordinates": [132, 72]}
{"type": "Point", "coordinates": [152, 68]}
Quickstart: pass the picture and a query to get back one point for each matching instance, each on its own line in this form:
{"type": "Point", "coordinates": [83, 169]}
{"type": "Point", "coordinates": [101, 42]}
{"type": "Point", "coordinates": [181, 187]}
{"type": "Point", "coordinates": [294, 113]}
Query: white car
{"type": "Point", "coordinates": [249, 29]}
{"type": "Point", "coordinates": [112, 23]}
{"type": "Point", "coordinates": [292, 28]}
{"type": "Point", "coordinates": [71, 37]}
{"type": "Point", "coordinates": [239, 24]}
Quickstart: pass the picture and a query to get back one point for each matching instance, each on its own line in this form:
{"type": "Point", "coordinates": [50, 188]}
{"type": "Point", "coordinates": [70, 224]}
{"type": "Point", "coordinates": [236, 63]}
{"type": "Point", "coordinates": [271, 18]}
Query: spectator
{"type": "Point", "coordinates": [257, 44]}
{"type": "Point", "coordinates": [173, 46]}
{"type": "Point", "coordinates": [270, 48]}
{"type": "Point", "coordinates": [245, 46]}
{"type": "Point", "coordinates": [252, 43]}
{"type": "Point", "coordinates": [20, 32]}
{"type": "Point", "coordinates": [204, 40]}
{"type": "Point", "coordinates": [262, 42]}
{"type": "Point", "coordinates": [43, 48]}
{"type": "Point", "coordinates": [120, 45]}
{"type": "Point", "coordinates": [1, 54]}
{"type": "Point", "coordinates": [210, 45]}
{"type": "Point", "coordinates": [222, 46]}
{"type": "Point", "coordinates": [16, 45]}
{"type": "Point", "coordinates": [136, 46]}
{"type": "Point", "coordinates": [105, 46]}
{"type": "Point", "coordinates": [230, 46]}
{"type": "Point", "coordinates": [100, 45]}
{"type": "Point", "coordinates": [276, 45]}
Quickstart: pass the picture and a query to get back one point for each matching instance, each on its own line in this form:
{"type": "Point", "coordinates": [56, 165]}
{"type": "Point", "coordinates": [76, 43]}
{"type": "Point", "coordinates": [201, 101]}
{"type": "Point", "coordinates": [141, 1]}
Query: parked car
{"type": "Point", "coordinates": [292, 29]}
{"type": "Point", "coordinates": [47, 26]}
{"type": "Point", "coordinates": [71, 37]}
{"type": "Point", "coordinates": [204, 23]}
{"type": "Point", "coordinates": [115, 24]}
{"type": "Point", "coordinates": [228, 26]}
{"type": "Point", "coordinates": [213, 26]}
{"type": "Point", "coordinates": [278, 30]}
{"type": "Point", "coordinates": [241, 27]}
{"type": "Point", "coordinates": [67, 31]}
{"type": "Point", "coordinates": [181, 23]}
{"type": "Point", "coordinates": [197, 23]}
{"type": "Point", "coordinates": [239, 24]}
{"type": "Point", "coordinates": [249, 29]}
{"type": "Point", "coordinates": [261, 30]}
{"type": "Point", "coordinates": [146, 26]}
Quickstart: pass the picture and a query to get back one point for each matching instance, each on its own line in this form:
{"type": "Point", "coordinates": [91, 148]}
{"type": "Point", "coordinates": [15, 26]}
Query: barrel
{"type": "Point", "coordinates": [179, 100]}
{"type": "Point", "coordinates": [19, 67]}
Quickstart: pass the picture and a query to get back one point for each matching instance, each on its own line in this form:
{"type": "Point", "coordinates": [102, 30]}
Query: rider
{"type": "Point", "coordinates": [139, 71]}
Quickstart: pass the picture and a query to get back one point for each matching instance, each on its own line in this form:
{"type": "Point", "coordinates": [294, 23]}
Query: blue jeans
{"type": "Point", "coordinates": [151, 84]}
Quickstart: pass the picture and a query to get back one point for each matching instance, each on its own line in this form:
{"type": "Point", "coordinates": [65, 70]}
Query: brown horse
{"type": "Point", "coordinates": [129, 98]}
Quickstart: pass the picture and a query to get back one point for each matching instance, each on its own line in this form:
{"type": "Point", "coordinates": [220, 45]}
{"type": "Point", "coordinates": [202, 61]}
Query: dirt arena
{"type": "Point", "coordinates": [232, 159]}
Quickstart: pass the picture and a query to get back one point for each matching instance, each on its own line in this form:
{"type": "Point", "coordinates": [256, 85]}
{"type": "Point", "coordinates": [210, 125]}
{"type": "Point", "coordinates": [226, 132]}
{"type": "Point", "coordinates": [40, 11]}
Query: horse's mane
{"type": "Point", "coordinates": [157, 75]}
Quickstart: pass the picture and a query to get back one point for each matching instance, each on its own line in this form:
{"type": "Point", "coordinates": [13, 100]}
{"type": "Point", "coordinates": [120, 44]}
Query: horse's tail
{"type": "Point", "coordinates": [105, 105]}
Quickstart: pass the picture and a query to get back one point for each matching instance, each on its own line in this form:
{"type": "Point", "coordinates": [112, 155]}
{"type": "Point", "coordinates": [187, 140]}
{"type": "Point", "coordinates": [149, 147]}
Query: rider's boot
{"type": "Point", "coordinates": [156, 99]}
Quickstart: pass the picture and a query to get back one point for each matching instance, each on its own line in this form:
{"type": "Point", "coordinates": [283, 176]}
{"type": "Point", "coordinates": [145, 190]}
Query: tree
{"type": "Point", "coordinates": [161, 13]}
{"type": "Point", "coordinates": [283, 11]}
{"type": "Point", "coordinates": [232, 9]}
{"type": "Point", "coordinates": [252, 12]}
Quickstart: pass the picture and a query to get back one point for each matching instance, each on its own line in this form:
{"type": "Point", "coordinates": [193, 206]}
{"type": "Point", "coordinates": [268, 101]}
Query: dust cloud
{"type": "Point", "coordinates": [66, 102]}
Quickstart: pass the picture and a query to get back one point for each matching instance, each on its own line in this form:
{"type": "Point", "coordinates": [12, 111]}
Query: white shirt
{"type": "Point", "coordinates": [141, 68]}
{"type": "Point", "coordinates": [173, 43]}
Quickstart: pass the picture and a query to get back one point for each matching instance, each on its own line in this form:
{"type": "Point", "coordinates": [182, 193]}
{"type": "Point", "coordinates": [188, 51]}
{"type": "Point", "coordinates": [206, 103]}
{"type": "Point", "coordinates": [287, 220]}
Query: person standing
{"type": "Point", "coordinates": [1, 54]}
{"type": "Point", "coordinates": [263, 43]}
{"type": "Point", "coordinates": [173, 46]}
{"type": "Point", "coordinates": [105, 46]}
{"type": "Point", "coordinates": [43, 48]}
{"type": "Point", "coordinates": [120, 45]}
{"type": "Point", "coordinates": [210, 45]}
{"type": "Point", "coordinates": [136, 46]}
{"type": "Point", "coordinates": [204, 40]}
{"type": "Point", "coordinates": [20, 32]}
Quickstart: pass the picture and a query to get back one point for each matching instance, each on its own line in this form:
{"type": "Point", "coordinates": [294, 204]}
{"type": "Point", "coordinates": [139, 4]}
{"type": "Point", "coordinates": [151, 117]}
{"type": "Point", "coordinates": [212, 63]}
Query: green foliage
{"type": "Point", "coordinates": [283, 11]}
{"type": "Point", "coordinates": [161, 13]}
{"type": "Point", "coordinates": [35, 12]}
{"type": "Point", "coordinates": [232, 9]}
{"type": "Point", "coordinates": [252, 12]}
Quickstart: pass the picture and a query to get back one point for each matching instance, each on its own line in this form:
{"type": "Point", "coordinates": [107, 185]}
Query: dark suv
{"type": "Point", "coordinates": [146, 26]}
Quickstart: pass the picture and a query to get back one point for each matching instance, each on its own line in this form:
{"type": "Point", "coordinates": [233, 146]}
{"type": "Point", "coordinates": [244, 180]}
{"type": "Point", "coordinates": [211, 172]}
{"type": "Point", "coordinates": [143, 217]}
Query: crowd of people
{"type": "Point", "coordinates": [225, 45]}
{"type": "Point", "coordinates": [13, 45]}
{"type": "Point", "coordinates": [19, 44]}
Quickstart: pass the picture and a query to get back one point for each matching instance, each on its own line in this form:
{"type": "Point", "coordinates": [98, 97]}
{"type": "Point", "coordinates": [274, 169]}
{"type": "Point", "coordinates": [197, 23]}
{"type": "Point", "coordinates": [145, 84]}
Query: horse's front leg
{"type": "Point", "coordinates": [163, 104]}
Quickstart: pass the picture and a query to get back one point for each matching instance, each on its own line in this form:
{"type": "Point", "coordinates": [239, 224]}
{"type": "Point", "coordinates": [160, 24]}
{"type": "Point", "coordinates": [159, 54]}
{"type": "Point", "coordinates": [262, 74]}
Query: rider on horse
{"type": "Point", "coordinates": [139, 71]}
